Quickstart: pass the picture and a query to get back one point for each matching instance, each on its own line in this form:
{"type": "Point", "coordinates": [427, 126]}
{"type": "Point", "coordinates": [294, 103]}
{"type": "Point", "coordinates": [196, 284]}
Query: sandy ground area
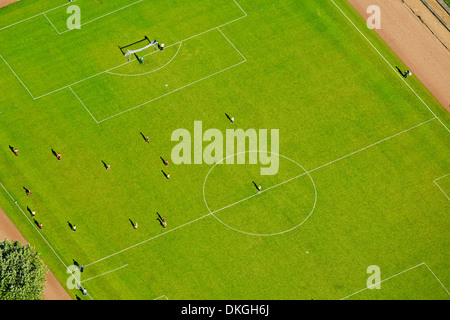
{"type": "Point", "coordinates": [414, 43]}
{"type": "Point", "coordinates": [4, 3]}
{"type": "Point", "coordinates": [53, 289]}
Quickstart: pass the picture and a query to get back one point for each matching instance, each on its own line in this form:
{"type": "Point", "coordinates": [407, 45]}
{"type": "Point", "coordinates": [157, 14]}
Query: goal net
{"type": "Point", "coordinates": [130, 52]}
{"type": "Point", "coordinates": [153, 44]}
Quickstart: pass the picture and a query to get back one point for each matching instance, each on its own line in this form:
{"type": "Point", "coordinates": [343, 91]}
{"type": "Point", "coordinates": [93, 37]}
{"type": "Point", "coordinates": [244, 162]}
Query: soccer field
{"type": "Point", "coordinates": [364, 159]}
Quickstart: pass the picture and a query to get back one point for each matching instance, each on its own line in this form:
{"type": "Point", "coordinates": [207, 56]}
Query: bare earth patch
{"type": "Point", "coordinates": [53, 289]}
{"type": "Point", "coordinates": [4, 3]}
{"type": "Point", "coordinates": [414, 44]}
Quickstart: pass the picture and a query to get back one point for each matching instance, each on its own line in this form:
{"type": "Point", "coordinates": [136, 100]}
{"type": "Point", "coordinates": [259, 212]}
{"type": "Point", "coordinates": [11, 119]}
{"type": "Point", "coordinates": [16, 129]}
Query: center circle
{"type": "Point", "coordinates": [251, 233]}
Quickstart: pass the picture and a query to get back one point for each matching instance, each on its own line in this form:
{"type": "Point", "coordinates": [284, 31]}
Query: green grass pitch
{"type": "Point", "coordinates": [370, 151]}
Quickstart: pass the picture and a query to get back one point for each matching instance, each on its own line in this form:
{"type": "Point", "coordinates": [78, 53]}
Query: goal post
{"type": "Point", "coordinates": [130, 52]}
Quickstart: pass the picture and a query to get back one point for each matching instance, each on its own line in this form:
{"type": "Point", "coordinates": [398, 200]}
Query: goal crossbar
{"type": "Point", "coordinates": [128, 53]}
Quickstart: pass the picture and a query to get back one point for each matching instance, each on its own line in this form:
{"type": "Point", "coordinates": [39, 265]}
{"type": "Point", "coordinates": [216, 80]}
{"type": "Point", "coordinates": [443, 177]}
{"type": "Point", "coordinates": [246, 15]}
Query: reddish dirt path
{"type": "Point", "coordinates": [414, 44]}
{"type": "Point", "coordinates": [53, 289]}
{"type": "Point", "coordinates": [4, 3]}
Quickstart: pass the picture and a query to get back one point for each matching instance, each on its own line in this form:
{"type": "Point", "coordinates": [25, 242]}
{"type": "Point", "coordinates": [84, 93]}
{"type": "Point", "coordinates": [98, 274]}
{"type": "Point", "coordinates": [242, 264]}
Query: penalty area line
{"type": "Point", "coordinates": [102, 274]}
{"type": "Point", "coordinates": [83, 104]}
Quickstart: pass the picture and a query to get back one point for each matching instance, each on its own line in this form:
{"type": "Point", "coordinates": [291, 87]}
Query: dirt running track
{"type": "Point", "coordinates": [53, 289]}
{"type": "Point", "coordinates": [4, 3]}
{"type": "Point", "coordinates": [414, 44]}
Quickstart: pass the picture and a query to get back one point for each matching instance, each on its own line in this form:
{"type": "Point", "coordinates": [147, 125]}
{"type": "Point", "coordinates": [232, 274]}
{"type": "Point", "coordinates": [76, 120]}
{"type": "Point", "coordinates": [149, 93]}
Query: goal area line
{"type": "Point", "coordinates": [169, 92]}
{"type": "Point", "coordinates": [35, 97]}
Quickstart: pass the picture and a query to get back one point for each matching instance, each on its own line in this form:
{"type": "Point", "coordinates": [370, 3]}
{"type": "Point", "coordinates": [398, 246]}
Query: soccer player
{"type": "Point", "coordinates": [166, 163]}
{"type": "Point", "coordinates": [136, 225]}
{"type": "Point", "coordinates": [59, 156]}
{"type": "Point", "coordinates": [232, 119]}
{"type": "Point", "coordinates": [147, 139]}
{"type": "Point", "coordinates": [259, 188]}
{"type": "Point", "coordinates": [108, 167]}
{"type": "Point", "coordinates": [16, 151]}
{"type": "Point", "coordinates": [168, 176]}
{"type": "Point", "coordinates": [164, 222]}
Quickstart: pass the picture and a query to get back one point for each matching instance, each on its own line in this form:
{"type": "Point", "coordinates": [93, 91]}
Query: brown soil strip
{"type": "Point", "coordinates": [53, 289]}
{"type": "Point", "coordinates": [414, 43]}
{"type": "Point", "coordinates": [4, 3]}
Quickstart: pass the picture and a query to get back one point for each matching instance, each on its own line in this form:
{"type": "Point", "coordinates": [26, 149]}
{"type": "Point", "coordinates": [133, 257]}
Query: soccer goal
{"type": "Point", "coordinates": [147, 44]}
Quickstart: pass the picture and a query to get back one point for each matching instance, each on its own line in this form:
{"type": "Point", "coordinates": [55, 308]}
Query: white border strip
{"type": "Point", "coordinates": [390, 65]}
{"type": "Point", "coordinates": [102, 274]}
{"type": "Point", "coordinates": [100, 17]}
{"type": "Point", "coordinates": [83, 104]}
{"type": "Point", "coordinates": [440, 186]}
{"type": "Point", "coordinates": [37, 15]}
{"type": "Point", "coordinates": [395, 275]}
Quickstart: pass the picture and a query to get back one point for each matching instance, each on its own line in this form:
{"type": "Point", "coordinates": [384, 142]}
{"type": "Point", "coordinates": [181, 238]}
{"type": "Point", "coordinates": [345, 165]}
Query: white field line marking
{"type": "Point", "coordinates": [395, 275]}
{"type": "Point", "coordinates": [120, 65]}
{"type": "Point", "coordinates": [170, 92]}
{"type": "Point", "coordinates": [435, 182]}
{"type": "Point", "coordinates": [35, 228]}
{"type": "Point", "coordinates": [17, 77]}
{"type": "Point", "coordinates": [145, 73]}
{"type": "Point", "coordinates": [237, 202]}
{"type": "Point", "coordinates": [373, 144]}
{"type": "Point", "coordinates": [232, 44]}
{"type": "Point", "coordinates": [147, 102]}
{"type": "Point", "coordinates": [105, 273]}
{"type": "Point", "coordinates": [83, 104]}
{"type": "Point", "coordinates": [372, 285]}
{"type": "Point", "coordinates": [37, 15]}
{"type": "Point", "coordinates": [163, 296]}
{"type": "Point", "coordinates": [390, 65]}
{"type": "Point", "coordinates": [142, 242]}
{"type": "Point", "coordinates": [437, 279]}
{"type": "Point", "coordinates": [100, 17]}
{"type": "Point", "coordinates": [51, 23]}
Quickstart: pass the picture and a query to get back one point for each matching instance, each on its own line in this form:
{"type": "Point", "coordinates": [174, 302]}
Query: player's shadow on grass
{"type": "Point", "coordinates": [256, 186]}
{"type": "Point", "coordinates": [70, 225]}
{"type": "Point", "coordinates": [229, 118]}
{"type": "Point", "coordinates": [132, 223]}
{"type": "Point", "coordinates": [143, 137]}
{"type": "Point", "coordinates": [54, 153]}
{"type": "Point", "coordinates": [75, 263]}
{"type": "Point", "coordinates": [29, 210]}
{"type": "Point", "coordinates": [36, 223]}
{"type": "Point", "coordinates": [105, 165]}
{"type": "Point", "coordinates": [164, 161]}
{"type": "Point", "coordinates": [160, 220]}
{"type": "Point", "coordinates": [401, 72]}
{"type": "Point", "coordinates": [26, 190]}
{"type": "Point", "coordinates": [165, 174]}
{"type": "Point", "coordinates": [12, 150]}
